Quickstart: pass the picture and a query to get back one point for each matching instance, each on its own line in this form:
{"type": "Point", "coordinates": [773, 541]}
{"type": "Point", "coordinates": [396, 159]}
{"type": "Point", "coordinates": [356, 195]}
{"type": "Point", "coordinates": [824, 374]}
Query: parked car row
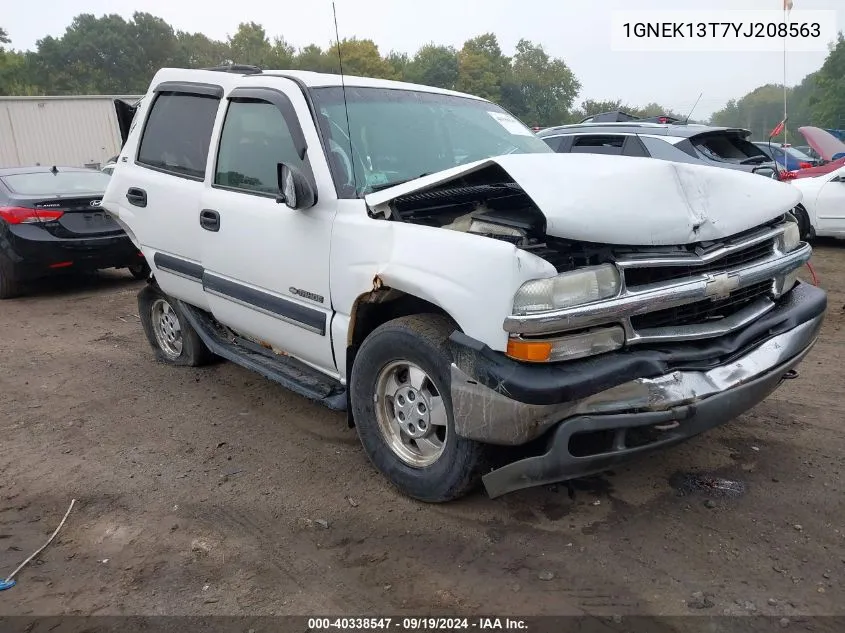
{"type": "Point", "coordinates": [672, 140]}
{"type": "Point", "coordinates": [666, 138]}
{"type": "Point", "coordinates": [787, 157]}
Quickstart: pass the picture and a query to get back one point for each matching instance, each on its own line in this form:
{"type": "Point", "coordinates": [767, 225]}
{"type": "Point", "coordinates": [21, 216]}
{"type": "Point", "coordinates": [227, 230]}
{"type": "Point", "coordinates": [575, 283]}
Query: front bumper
{"type": "Point", "coordinates": [32, 251]}
{"type": "Point", "coordinates": [666, 395]}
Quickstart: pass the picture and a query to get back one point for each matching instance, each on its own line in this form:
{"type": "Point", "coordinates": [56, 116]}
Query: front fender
{"type": "Point", "coordinates": [472, 278]}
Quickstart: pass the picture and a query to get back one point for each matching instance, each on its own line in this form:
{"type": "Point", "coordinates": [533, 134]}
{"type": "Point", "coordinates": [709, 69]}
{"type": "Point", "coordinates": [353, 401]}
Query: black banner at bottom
{"type": "Point", "coordinates": [406, 624]}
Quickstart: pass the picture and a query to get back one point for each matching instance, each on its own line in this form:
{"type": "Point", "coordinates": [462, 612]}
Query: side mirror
{"type": "Point", "coordinates": [295, 190]}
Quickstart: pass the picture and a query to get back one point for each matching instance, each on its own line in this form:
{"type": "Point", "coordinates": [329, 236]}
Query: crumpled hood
{"type": "Point", "coordinates": [625, 200]}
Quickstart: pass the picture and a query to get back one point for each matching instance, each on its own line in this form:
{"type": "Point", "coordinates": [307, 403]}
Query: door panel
{"type": "Point", "coordinates": [830, 204]}
{"type": "Point", "coordinates": [266, 266]}
{"type": "Point", "coordinates": [158, 183]}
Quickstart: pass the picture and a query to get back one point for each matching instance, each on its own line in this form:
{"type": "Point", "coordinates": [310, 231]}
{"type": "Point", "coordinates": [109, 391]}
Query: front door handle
{"type": "Point", "coordinates": [210, 220]}
{"type": "Point", "coordinates": [136, 197]}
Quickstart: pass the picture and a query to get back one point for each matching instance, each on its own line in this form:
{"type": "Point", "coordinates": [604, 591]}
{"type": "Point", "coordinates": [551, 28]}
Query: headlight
{"type": "Point", "coordinates": [791, 238]}
{"type": "Point", "coordinates": [580, 345]}
{"type": "Point", "coordinates": [567, 289]}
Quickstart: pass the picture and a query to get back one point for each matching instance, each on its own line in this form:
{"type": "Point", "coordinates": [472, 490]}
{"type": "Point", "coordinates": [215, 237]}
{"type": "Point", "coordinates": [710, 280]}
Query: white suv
{"type": "Point", "coordinates": [420, 259]}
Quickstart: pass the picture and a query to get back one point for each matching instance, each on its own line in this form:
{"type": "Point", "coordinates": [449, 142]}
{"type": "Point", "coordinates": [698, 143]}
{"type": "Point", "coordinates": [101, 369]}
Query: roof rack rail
{"type": "Point", "coordinates": [241, 69]}
{"type": "Point", "coordinates": [618, 116]}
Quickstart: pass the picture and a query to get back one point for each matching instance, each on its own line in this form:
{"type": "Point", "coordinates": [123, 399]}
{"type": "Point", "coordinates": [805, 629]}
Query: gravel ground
{"type": "Point", "coordinates": [214, 491]}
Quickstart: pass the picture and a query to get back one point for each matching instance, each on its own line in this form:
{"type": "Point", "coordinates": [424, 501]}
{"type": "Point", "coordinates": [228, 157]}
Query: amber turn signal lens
{"type": "Point", "coordinates": [532, 351]}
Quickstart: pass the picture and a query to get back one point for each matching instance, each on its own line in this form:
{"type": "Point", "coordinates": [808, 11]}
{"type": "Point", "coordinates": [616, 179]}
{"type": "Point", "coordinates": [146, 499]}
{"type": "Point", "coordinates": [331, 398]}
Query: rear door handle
{"type": "Point", "coordinates": [136, 197]}
{"type": "Point", "coordinates": [210, 220]}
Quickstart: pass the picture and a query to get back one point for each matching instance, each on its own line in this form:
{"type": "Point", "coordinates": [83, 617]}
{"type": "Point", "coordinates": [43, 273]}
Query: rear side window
{"type": "Point", "coordinates": [664, 150]}
{"type": "Point", "coordinates": [177, 134]}
{"type": "Point", "coordinates": [598, 144]}
{"type": "Point", "coordinates": [254, 140]}
{"type": "Point", "coordinates": [553, 141]}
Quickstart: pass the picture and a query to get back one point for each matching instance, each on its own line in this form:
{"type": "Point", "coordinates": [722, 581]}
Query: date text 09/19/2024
{"type": "Point", "coordinates": [417, 624]}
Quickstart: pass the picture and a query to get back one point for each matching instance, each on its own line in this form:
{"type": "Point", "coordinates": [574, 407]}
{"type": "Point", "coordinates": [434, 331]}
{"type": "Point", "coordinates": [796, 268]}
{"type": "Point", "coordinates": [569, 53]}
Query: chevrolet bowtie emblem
{"type": "Point", "coordinates": [721, 286]}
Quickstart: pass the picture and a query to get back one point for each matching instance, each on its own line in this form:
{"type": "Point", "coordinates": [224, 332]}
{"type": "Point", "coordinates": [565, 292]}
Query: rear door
{"type": "Point", "coordinates": [157, 185]}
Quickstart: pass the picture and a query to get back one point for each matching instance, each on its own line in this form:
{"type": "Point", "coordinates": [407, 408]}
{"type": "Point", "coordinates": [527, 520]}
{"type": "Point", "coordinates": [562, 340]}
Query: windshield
{"type": "Point", "coordinates": [400, 135]}
{"type": "Point", "coordinates": [46, 183]}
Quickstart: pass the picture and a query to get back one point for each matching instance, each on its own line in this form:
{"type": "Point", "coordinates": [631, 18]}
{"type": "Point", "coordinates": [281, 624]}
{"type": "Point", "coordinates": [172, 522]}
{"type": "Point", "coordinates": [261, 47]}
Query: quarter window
{"type": "Point", "coordinates": [178, 133]}
{"type": "Point", "coordinates": [553, 142]}
{"type": "Point", "coordinates": [254, 140]}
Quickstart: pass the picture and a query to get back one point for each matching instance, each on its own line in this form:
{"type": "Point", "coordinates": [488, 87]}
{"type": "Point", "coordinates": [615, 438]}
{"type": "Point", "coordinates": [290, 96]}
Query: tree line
{"type": "Point", "coordinates": [112, 55]}
{"type": "Point", "coordinates": [818, 100]}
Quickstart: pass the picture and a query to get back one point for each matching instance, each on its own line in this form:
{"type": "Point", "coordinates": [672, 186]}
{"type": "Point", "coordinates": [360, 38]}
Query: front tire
{"type": "Point", "coordinates": [403, 410]}
{"type": "Point", "coordinates": [172, 338]}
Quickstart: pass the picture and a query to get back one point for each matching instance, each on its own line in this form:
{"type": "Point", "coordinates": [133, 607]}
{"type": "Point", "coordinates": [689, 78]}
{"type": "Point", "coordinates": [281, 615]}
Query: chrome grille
{"type": "Point", "coordinates": [703, 311]}
{"type": "Point", "coordinates": [643, 276]}
{"type": "Point", "coordinates": [683, 293]}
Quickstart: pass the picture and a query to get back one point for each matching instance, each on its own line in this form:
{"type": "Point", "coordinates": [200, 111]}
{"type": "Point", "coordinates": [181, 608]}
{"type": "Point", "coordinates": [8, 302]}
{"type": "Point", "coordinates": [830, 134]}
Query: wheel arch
{"type": "Point", "coordinates": [809, 231]}
{"type": "Point", "coordinates": [376, 307]}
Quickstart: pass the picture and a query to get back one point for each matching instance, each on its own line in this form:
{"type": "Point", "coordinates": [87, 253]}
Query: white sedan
{"type": "Point", "coordinates": [824, 200]}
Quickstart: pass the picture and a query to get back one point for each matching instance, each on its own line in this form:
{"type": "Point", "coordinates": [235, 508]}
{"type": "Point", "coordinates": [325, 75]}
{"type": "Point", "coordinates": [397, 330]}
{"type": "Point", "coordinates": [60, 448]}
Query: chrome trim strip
{"type": "Point", "coordinates": [275, 315]}
{"type": "Point", "coordinates": [176, 273]}
{"type": "Point", "coordinates": [707, 258]}
{"type": "Point", "coordinates": [655, 297]}
{"type": "Point", "coordinates": [700, 331]}
{"type": "Point", "coordinates": [482, 414]}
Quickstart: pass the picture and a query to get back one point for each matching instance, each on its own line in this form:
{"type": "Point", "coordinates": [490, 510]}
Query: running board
{"type": "Point", "coordinates": [292, 374]}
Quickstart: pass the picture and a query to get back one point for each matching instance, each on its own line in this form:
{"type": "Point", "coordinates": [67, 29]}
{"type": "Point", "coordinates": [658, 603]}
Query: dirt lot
{"type": "Point", "coordinates": [214, 491]}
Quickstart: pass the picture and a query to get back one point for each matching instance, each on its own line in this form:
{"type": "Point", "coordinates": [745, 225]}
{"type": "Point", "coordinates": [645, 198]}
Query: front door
{"type": "Point", "coordinates": [266, 266]}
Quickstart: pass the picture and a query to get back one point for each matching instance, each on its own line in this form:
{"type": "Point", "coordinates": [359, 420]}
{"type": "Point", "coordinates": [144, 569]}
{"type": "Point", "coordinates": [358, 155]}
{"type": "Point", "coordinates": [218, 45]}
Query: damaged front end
{"type": "Point", "coordinates": [675, 306]}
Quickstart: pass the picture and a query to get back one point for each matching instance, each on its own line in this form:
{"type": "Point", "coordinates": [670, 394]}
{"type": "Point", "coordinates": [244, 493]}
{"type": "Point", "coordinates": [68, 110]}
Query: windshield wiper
{"type": "Point", "coordinates": [388, 185]}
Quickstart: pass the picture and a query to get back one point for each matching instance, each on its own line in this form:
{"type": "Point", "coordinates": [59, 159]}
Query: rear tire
{"type": "Point", "coordinates": [403, 410]}
{"type": "Point", "coordinates": [170, 335]}
{"type": "Point", "coordinates": [10, 285]}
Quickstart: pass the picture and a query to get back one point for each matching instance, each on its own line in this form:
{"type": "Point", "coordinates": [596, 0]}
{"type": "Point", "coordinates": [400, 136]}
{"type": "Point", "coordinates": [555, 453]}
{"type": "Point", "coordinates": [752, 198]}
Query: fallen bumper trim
{"type": "Point", "coordinates": [483, 414]}
{"type": "Point", "coordinates": [564, 382]}
{"type": "Point", "coordinates": [682, 423]}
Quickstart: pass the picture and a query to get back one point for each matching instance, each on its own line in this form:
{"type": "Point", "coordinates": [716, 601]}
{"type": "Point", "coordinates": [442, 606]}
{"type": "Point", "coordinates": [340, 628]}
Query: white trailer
{"type": "Point", "coordinates": [77, 131]}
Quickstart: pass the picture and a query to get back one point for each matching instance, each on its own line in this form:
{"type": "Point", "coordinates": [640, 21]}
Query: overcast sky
{"type": "Point", "coordinates": [579, 32]}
